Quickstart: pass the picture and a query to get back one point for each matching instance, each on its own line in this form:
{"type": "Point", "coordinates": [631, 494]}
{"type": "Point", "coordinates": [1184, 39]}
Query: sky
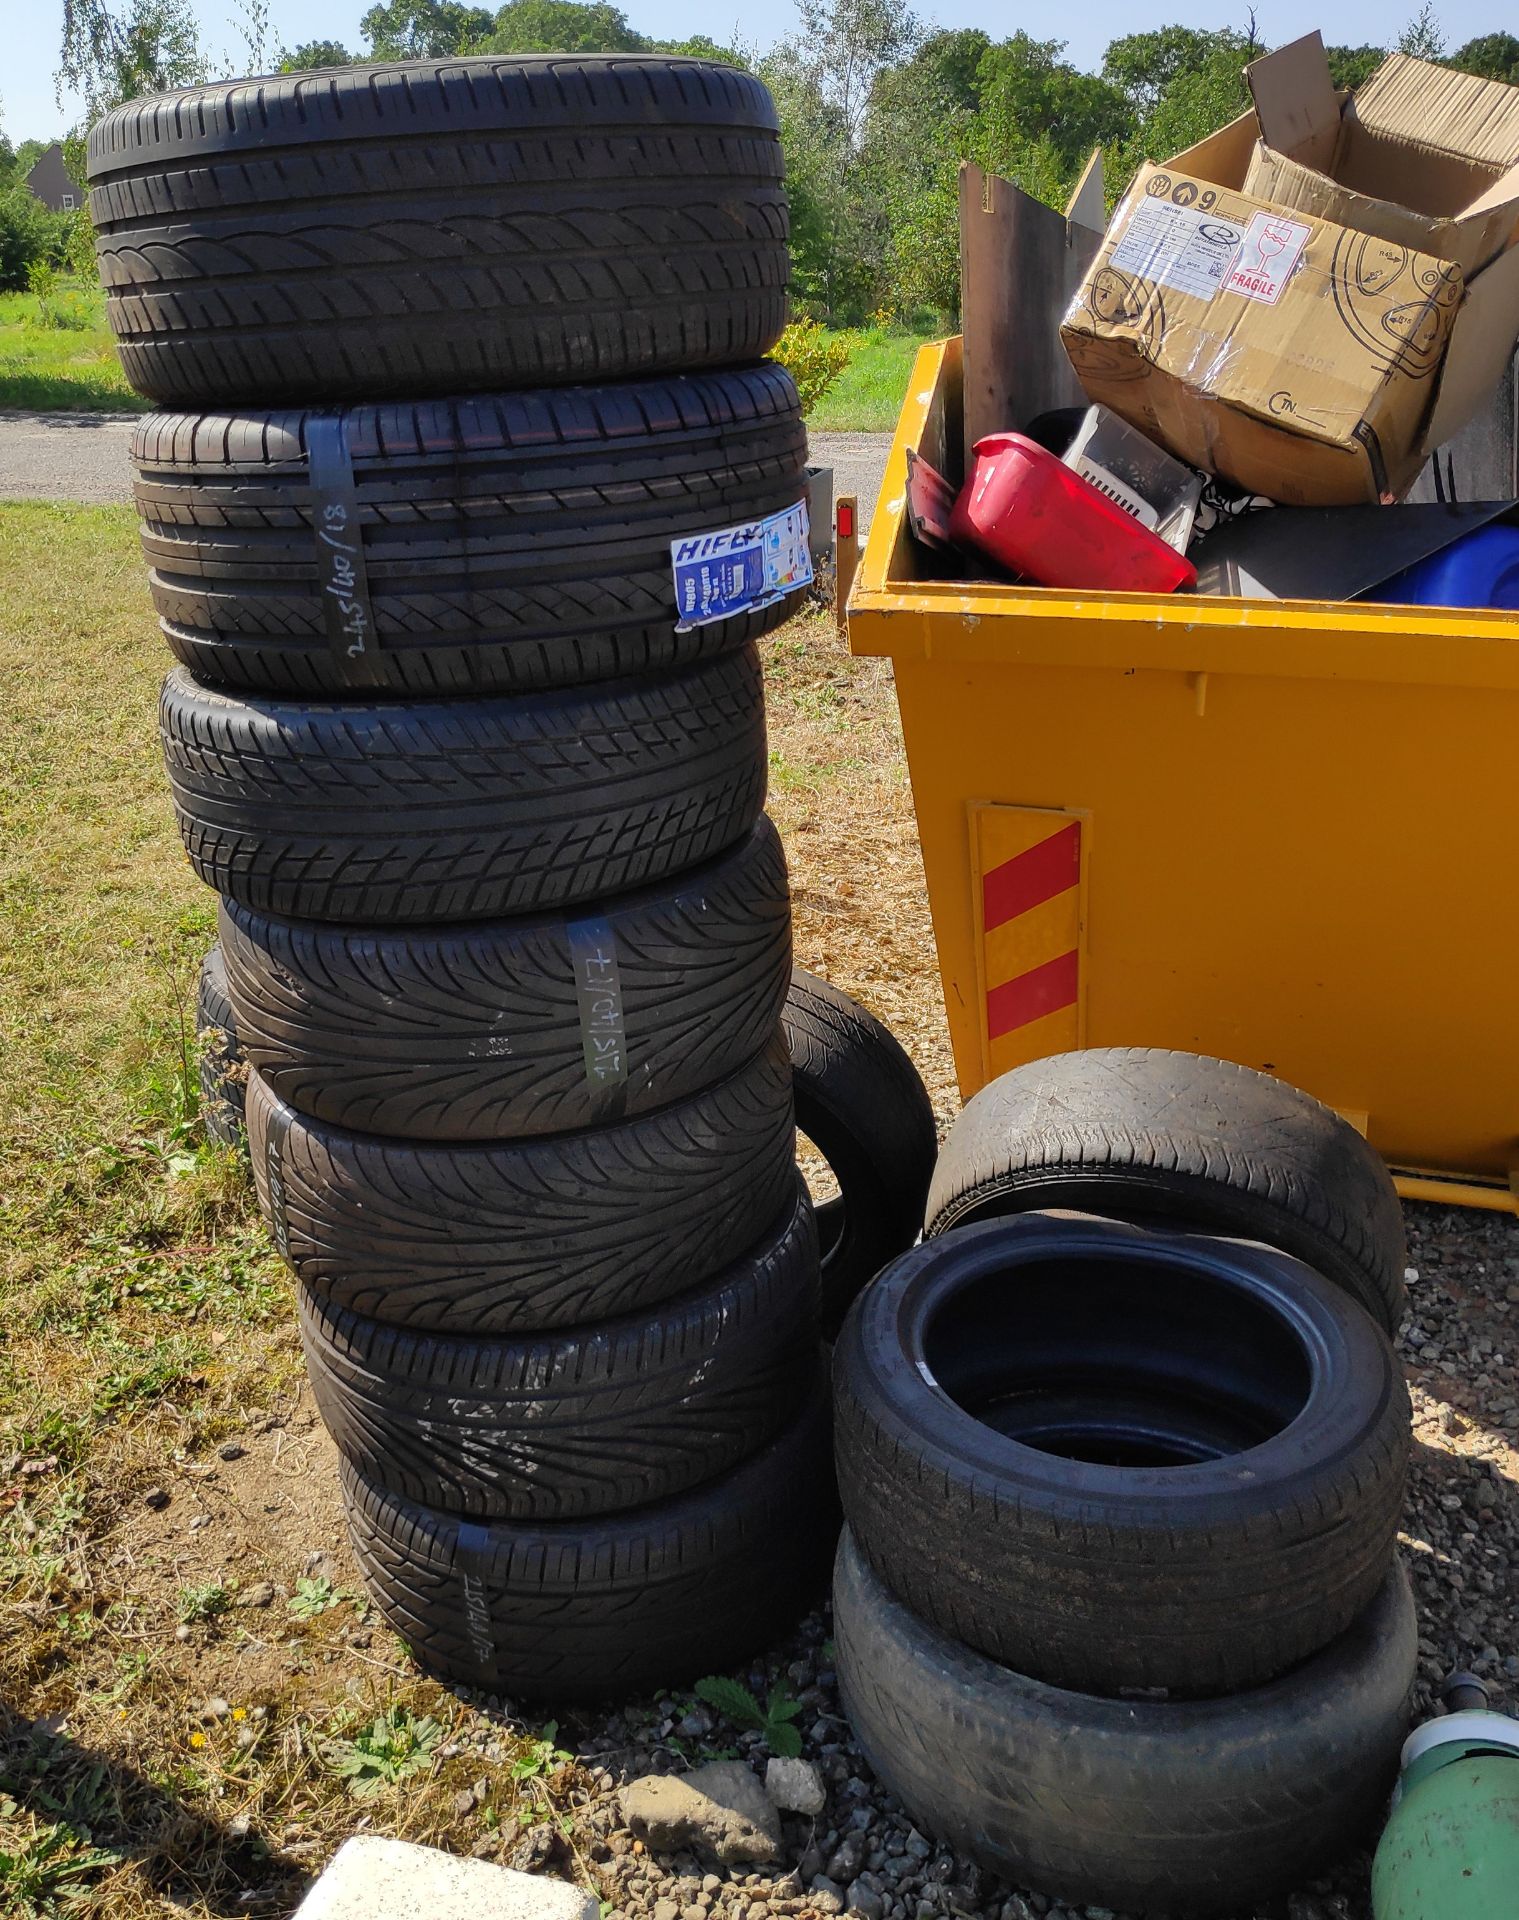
{"type": "Point", "coordinates": [31, 30]}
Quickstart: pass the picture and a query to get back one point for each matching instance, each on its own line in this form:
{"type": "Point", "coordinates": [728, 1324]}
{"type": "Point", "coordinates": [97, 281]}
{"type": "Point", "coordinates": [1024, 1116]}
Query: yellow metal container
{"type": "Point", "coordinates": [1280, 832]}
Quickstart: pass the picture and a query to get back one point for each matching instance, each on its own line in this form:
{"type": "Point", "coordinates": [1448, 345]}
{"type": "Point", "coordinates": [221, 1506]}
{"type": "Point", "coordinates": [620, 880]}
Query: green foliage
{"type": "Point", "coordinates": [311, 54]}
{"type": "Point", "coordinates": [422, 29]}
{"type": "Point", "coordinates": [43, 1874]}
{"type": "Point", "coordinates": [394, 1746]}
{"type": "Point", "coordinates": [151, 47]}
{"type": "Point", "coordinates": [204, 1602]}
{"type": "Point", "coordinates": [31, 235]}
{"type": "Point", "coordinates": [1423, 37]}
{"type": "Point", "coordinates": [1350, 66]}
{"type": "Point", "coordinates": [1493, 55]}
{"type": "Point", "coordinates": [774, 1720]}
{"type": "Point", "coordinates": [312, 1598]}
{"type": "Point", "coordinates": [812, 357]}
{"type": "Point", "coordinates": [560, 26]}
{"type": "Point", "coordinates": [535, 1758]}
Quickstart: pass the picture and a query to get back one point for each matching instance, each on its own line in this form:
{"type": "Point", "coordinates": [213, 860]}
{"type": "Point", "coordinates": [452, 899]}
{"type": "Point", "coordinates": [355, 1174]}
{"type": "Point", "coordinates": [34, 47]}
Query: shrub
{"type": "Point", "coordinates": [812, 358]}
{"type": "Point", "coordinates": [30, 234]}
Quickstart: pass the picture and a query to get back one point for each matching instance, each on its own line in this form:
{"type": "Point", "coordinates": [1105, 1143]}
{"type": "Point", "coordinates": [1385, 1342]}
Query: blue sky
{"type": "Point", "coordinates": [31, 27]}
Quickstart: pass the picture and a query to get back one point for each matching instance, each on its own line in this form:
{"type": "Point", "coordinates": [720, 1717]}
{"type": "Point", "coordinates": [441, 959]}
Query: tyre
{"type": "Point", "coordinates": [510, 541]}
{"type": "Point", "coordinates": [527, 1236]}
{"type": "Point", "coordinates": [1114, 1458]}
{"type": "Point", "coordinates": [860, 1102]}
{"type": "Point", "coordinates": [223, 1067]}
{"type": "Point", "coordinates": [590, 1421]}
{"type": "Point", "coordinates": [1143, 1134]}
{"type": "Point", "coordinates": [500, 1029]}
{"type": "Point", "coordinates": [1144, 1806]}
{"type": "Point", "coordinates": [440, 226]}
{"type": "Point", "coordinates": [462, 810]}
{"type": "Point", "coordinates": [590, 1609]}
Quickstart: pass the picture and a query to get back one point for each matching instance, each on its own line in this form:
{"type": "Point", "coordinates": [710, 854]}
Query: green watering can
{"type": "Point", "coordinates": [1451, 1848]}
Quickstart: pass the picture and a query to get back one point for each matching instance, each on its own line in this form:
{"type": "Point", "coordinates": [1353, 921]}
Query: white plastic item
{"type": "Point", "coordinates": [1143, 479]}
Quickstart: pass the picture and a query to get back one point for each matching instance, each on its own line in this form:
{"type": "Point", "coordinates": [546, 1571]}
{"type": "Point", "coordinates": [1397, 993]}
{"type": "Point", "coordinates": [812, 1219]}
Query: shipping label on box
{"type": "Point", "coordinates": [1287, 354]}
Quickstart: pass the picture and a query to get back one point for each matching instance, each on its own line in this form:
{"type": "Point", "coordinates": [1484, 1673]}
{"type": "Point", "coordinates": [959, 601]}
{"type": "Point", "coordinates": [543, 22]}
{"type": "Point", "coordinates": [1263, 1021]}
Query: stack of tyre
{"type": "Point", "coordinates": [1117, 1607]}
{"type": "Point", "coordinates": [504, 932]}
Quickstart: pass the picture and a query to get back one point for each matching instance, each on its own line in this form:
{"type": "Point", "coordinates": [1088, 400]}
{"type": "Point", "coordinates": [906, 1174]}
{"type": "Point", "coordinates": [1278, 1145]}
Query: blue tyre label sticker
{"type": "Point", "coordinates": [739, 569]}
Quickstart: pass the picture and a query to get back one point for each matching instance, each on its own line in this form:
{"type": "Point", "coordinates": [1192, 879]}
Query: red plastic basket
{"type": "Point", "coordinates": [1033, 515]}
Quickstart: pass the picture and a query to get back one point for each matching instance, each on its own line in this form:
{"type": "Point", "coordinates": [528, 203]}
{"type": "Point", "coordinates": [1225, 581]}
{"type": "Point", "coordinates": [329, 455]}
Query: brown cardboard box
{"type": "Point", "coordinates": [1419, 154]}
{"type": "Point", "coordinates": [1286, 353]}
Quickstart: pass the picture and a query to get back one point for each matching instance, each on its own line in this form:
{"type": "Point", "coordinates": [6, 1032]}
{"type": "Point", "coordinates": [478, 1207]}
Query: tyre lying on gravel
{"type": "Point", "coordinates": [440, 226]}
{"type": "Point", "coordinates": [613, 1415]}
{"type": "Point", "coordinates": [371, 811]}
{"type": "Point", "coordinates": [588, 1609]}
{"type": "Point", "coordinates": [510, 541]}
{"type": "Point", "coordinates": [525, 1236]}
{"type": "Point", "coordinates": [1146, 1806]}
{"type": "Point", "coordinates": [223, 1065]}
{"type": "Point", "coordinates": [1114, 1458]}
{"type": "Point", "coordinates": [860, 1102]}
{"type": "Point", "coordinates": [498, 1029]}
{"type": "Point", "coordinates": [1140, 1133]}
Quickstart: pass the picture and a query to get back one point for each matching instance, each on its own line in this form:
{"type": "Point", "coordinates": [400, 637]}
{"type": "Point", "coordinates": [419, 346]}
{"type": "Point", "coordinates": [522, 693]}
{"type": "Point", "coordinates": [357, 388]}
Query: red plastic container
{"type": "Point", "coordinates": [1033, 515]}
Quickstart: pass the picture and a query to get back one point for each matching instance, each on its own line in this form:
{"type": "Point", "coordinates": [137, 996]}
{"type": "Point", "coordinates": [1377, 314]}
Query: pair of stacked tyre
{"type": "Point", "coordinates": [1117, 1608]}
{"type": "Point", "coordinates": [505, 933]}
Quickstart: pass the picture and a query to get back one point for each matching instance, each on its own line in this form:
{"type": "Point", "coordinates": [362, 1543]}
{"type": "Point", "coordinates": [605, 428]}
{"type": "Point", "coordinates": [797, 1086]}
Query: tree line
{"type": "Point", "coordinates": [877, 112]}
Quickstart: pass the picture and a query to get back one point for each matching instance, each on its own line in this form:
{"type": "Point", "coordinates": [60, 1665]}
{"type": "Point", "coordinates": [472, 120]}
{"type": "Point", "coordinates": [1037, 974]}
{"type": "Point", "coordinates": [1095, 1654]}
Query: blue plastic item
{"type": "Point", "coordinates": [1480, 569]}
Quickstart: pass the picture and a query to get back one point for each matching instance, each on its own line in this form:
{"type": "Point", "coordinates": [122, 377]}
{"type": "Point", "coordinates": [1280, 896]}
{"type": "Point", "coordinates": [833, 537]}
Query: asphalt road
{"type": "Point", "coordinates": [83, 456]}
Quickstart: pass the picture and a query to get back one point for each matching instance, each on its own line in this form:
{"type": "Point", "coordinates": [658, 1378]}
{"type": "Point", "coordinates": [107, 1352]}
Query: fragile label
{"type": "Point", "coordinates": [1268, 253]}
{"type": "Point", "coordinates": [737, 569]}
{"type": "Point", "coordinates": [1178, 247]}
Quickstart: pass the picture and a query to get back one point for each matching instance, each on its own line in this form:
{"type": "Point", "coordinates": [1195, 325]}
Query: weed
{"type": "Point", "coordinates": [204, 1602]}
{"type": "Point", "coordinates": [395, 1745]}
{"type": "Point", "coordinates": [538, 1757]}
{"type": "Point", "coordinates": [774, 1719]}
{"type": "Point", "coordinates": [42, 1875]}
{"type": "Point", "coordinates": [314, 1597]}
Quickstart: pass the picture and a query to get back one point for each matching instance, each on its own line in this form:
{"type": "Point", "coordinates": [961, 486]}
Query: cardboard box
{"type": "Point", "coordinates": [1420, 155]}
{"type": "Point", "coordinates": [1284, 352]}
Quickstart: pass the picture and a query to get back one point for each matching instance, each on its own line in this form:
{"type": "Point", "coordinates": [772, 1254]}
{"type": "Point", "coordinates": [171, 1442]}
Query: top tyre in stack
{"type": "Point", "coordinates": [461, 348]}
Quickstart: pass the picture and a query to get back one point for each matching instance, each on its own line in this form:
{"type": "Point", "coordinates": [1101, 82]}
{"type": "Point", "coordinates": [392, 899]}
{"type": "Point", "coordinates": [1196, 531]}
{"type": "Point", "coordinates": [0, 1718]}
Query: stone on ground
{"type": "Point", "coordinates": [795, 1786]}
{"type": "Point", "coordinates": [719, 1809]}
{"type": "Point", "coordinates": [370, 1878]}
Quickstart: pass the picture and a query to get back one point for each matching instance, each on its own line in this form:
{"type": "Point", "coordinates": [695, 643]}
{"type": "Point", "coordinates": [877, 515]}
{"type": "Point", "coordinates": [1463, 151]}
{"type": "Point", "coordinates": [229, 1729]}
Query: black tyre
{"type": "Point", "coordinates": [1144, 1806]}
{"type": "Point", "coordinates": [509, 541]}
{"type": "Point", "coordinates": [494, 1030]}
{"type": "Point", "coordinates": [860, 1102]}
{"type": "Point", "coordinates": [615, 1416]}
{"type": "Point", "coordinates": [1114, 1458]}
{"type": "Point", "coordinates": [440, 226]}
{"type": "Point", "coordinates": [464, 809]}
{"type": "Point", "coordinates": [526, 1236]}
{"type": "Point", "coordinates": [589, 1609]}
{"type": "Point", "coordinates": [1178, 1138]}
{"type": "Point", "coordinates": [223, 1066]}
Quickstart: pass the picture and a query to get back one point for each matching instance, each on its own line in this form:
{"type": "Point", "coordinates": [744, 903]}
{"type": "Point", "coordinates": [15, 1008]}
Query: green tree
{"type": "Point", "coordinates": [1423, 36]}
{"type": "Point", "coordinates": [422, 29]}
{"type": "Point", "coordinates": [559, 26]}
{"type": "Point", "coordinates": [1350, 66]}
{"type": "Point", "coordinates": [108, 57]}
{"type": "Point", "coordinates": [1037, 110]}
{"type": "Point", "coordinates": [1146, 66]}
{"type": "Point", "coordinates": [314, 53]}
{"type": "Point", "coordinates": [1493, 55]}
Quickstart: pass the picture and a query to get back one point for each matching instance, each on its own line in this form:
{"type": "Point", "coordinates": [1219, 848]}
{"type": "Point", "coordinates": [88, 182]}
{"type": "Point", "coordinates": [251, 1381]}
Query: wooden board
{"type": "Point", "coordinates": [1020, 264]}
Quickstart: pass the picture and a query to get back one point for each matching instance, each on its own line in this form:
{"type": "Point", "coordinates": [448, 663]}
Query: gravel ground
{"type": "Point", "coordinates": [858, 461]}
{"type": "Point", "coordinates": [861, 1854]}
{"type": "Point", "coordinates": [66, 456]}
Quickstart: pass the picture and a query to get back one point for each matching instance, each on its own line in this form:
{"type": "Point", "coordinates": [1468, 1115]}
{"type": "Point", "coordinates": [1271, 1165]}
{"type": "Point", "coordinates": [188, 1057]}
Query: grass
{"type": "Point", "coordinates": [67, 368]}
{"type": "Point", "coordinates": [867, 396]}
